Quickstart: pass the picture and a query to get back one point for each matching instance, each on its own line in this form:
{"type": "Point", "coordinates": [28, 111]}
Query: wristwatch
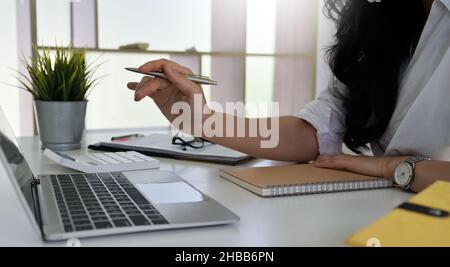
{"type": "Point", "coordinates": [404, 172]}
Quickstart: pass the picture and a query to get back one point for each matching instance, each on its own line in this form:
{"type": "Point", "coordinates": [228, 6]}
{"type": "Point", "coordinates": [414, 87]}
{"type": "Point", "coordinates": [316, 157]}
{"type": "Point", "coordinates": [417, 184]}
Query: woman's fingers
{"type": "Point", "coordinates": [161, 64]}
{"type": "Point", "coordinates": [180, 81]}
{"type": "Point", "coordinates": [367, 165]}
{"type": "Point", "coordinates": [334, 162]}
{"type": "Point", "coordinates": [149, 86]}
{"type": "Point", "coordinates": [132, 85]}
{"type": "Point", "coordinates": [176, 74]}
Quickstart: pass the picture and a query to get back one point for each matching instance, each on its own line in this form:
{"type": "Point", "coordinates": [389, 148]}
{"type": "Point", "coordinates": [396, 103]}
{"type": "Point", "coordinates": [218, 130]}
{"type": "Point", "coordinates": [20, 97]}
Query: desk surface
{"type": "Point", "coordinates": [312, 220]}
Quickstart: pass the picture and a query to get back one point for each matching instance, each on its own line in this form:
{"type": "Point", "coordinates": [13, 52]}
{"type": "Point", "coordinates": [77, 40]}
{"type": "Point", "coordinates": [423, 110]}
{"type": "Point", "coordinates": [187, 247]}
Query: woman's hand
{"type": "Point", "coordinates": [166, 92]}
{"type": "Point", "coordinates": [366, 165]}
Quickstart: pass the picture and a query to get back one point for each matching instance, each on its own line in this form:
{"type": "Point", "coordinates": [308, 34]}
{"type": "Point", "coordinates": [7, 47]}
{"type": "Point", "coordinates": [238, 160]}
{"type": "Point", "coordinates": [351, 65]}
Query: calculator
{"type": "Point", "coordinates": [95, 162]}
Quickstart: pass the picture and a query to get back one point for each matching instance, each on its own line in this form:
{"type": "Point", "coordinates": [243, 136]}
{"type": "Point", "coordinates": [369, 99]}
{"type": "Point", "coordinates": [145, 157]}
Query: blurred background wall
{"type": "Point", "coordinates": [260, 51]}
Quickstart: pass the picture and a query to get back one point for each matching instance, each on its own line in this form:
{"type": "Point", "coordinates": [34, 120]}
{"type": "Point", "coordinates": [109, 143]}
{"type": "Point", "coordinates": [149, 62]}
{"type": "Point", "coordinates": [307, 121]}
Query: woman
{"type": "Point", "coordinates": [391, 63]}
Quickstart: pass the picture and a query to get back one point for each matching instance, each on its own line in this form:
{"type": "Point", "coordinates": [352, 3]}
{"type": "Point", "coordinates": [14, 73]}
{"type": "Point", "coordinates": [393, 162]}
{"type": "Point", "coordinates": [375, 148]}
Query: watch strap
{"type": "Point", "coordinates": [416, 159]}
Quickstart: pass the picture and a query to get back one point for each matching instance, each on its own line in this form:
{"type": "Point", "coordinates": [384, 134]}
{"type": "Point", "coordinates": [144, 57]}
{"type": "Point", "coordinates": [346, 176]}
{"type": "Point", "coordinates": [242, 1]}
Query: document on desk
{"type": "Point", "coordinates": [160, 145]}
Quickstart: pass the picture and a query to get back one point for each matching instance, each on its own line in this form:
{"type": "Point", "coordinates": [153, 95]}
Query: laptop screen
{"type": "Point", "coordinates": [15, 161]}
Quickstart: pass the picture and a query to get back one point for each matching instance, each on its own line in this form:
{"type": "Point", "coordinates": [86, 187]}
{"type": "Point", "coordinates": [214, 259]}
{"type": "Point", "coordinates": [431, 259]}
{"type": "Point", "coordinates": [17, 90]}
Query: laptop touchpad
{"type": "Point", "coordinates": [166, 193]}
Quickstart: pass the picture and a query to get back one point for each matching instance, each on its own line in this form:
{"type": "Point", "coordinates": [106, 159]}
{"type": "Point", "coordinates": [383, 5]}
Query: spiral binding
{"type": "Point", "coordinates": [329, 187]}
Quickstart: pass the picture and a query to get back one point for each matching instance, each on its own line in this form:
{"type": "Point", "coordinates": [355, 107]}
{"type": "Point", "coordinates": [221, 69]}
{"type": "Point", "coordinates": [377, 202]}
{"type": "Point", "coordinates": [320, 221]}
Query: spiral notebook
{"type": "Point", "coordinates": [300, 179]}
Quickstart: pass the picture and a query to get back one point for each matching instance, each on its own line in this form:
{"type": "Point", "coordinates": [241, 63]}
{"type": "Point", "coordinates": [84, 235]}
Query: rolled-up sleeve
{"type": "Point", "coordinates": [327, 115]}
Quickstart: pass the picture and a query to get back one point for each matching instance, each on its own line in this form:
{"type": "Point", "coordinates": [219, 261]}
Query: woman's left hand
{"type": "Point", "coordinates": [366, 165]}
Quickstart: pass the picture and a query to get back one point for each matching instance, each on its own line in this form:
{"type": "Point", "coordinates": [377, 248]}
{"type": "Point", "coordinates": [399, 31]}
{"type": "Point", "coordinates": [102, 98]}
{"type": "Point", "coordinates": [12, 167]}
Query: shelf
{"type": "Point", "coordinates": [198, 53]}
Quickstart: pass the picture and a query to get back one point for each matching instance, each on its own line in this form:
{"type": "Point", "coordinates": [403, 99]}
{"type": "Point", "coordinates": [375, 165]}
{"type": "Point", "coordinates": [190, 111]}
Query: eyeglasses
{"type": "Point", "coordinates": [189, 141]}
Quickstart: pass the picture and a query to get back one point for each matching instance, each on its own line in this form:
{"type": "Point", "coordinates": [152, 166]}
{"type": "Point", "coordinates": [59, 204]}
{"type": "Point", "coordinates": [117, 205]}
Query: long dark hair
{"type": "Point", "coordinates": [372, 41]}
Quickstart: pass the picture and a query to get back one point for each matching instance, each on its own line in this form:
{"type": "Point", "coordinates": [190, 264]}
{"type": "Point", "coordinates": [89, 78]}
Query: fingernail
{"type": "Point", "coordinates": [136, 95]}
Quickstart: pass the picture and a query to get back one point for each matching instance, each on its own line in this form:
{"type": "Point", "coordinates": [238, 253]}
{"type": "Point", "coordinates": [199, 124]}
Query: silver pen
{"type": "Point", "coordinates": [195, 78]}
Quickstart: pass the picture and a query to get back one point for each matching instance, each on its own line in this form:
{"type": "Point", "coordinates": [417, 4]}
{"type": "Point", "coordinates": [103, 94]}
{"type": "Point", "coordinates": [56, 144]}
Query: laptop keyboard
{"type": "Point", "coordinates": [117, 158]}
{"type": "Point", "coordinates": [101, 201]}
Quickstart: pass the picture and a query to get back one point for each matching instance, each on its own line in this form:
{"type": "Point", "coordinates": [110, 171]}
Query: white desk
{"type": "Point", "coordinates": [313, 220]}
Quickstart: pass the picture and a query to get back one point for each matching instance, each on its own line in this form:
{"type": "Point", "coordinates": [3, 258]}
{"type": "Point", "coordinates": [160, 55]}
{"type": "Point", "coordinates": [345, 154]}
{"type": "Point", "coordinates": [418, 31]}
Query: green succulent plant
{"type": "Point", "coordinates": [66, 78]}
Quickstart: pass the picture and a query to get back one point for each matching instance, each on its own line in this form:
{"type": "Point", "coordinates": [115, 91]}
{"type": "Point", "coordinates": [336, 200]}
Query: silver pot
{"type": "Point", "coordinates": [61, 124]}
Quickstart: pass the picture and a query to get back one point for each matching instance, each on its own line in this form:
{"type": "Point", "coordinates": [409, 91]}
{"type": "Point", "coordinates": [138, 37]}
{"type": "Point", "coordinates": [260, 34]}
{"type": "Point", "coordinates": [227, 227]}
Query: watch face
{"type": "Point", "coordinates": [403, 174]}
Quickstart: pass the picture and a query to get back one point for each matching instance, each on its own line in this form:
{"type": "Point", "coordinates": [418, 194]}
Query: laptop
{"type": "Point", "coordinates": [82, 205]}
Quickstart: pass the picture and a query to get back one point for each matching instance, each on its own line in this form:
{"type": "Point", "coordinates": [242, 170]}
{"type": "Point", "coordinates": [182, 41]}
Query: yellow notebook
{"type": "Point", "coordinates": [424, 222]}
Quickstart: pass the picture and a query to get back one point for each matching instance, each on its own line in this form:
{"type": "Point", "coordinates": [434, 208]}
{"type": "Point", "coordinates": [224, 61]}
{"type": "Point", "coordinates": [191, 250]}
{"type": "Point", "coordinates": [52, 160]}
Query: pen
{"type": "Point", "coordinates": [125, 136]}
{"type": "Point", "coordinates": [424, 210]}
{"type": "Point", "coordinates": [195, 78]}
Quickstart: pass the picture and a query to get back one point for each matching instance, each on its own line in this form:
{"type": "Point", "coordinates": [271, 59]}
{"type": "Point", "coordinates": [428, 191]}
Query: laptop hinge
{"type": "Point", "coordinates": [36, 180]}
{"type": "Point", "coordinates": [36, 203]}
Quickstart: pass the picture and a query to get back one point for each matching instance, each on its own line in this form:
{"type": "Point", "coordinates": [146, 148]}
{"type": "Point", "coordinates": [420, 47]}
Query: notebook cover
{"type": "Point", "coordinates": [408, 228]}
{"type": "Point", "coordinates": [265, 177]}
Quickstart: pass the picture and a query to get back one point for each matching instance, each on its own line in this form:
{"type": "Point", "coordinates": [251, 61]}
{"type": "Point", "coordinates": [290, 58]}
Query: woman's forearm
{"type": "Point", "coordinates": [295, 141]}
{"type": "Point", "coordinates": [426, 172]}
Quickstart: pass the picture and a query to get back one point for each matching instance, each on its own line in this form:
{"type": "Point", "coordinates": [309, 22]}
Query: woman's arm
{"type": "Point", "coordinates": [426, 172]}
{"type": "Point", "coordinates": [296, 140]}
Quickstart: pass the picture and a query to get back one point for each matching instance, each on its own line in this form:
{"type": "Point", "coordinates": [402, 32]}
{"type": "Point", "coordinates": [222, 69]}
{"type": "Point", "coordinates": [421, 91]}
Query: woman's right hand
{"type": "Point", "coordinates": [295, 134]}
{"type": "Point", "coordinates": [166, 92]}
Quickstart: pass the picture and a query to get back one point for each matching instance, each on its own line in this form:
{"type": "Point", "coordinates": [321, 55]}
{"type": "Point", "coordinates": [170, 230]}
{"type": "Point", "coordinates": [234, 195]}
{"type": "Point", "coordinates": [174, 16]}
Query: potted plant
{"type": "Point", "coordinates": [59, 89]}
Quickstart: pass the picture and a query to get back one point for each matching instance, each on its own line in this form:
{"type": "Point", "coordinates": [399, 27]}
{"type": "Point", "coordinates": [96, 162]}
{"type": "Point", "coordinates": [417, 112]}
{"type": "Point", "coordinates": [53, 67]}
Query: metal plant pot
{"type": "Point", "coordinates": [61, 124]}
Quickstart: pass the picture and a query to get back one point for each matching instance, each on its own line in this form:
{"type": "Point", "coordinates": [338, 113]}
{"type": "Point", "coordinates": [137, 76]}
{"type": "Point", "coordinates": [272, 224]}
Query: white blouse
{"type": "Point", "coordinates": [420, 124]}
